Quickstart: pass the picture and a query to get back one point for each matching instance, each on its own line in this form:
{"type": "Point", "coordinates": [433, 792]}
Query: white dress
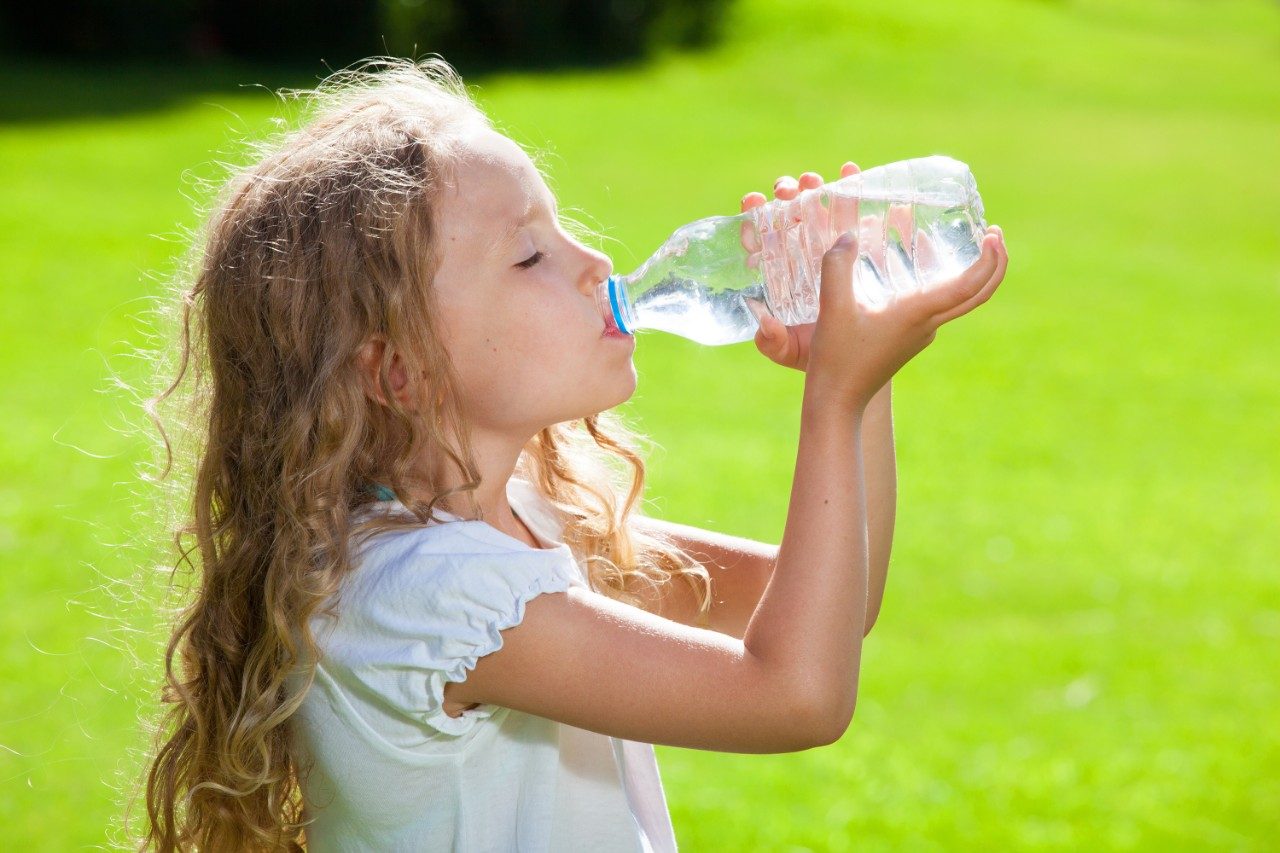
{"type": "Point", "coordinates": [385, 768]}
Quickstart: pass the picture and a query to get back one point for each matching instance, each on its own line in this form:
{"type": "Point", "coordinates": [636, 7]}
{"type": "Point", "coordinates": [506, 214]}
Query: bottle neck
{"type": "Point", "coordinates": [615, 304]}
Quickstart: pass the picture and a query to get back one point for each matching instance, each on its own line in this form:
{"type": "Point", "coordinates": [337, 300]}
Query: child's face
{"type": "Point", "coordinates": [526, 341]}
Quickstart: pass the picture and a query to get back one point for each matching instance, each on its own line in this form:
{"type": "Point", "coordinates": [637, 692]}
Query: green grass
{"type": "Point", "coordinates": [1080, 639]}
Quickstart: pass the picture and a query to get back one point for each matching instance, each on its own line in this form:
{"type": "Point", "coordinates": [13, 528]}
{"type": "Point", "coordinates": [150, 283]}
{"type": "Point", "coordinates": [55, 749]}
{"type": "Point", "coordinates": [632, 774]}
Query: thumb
{"type": "Point", "coordinates": [762, 315]}
{"type": "Point", "coordinates": [767, 339]}
{"type": "Point", "coordinates": [836, 287]}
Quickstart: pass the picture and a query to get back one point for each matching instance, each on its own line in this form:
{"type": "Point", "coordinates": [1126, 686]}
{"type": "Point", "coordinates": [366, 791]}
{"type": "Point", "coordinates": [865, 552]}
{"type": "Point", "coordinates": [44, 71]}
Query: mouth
{"type": "Point", "coordinates": [611, 329]}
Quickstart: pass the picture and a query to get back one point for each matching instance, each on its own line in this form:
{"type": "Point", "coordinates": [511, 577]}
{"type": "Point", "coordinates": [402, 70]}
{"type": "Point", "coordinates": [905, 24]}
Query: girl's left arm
{"type": "Point", "coordinates": [740, 568]}
{"type": "Point", "coordinates": [880, 470]}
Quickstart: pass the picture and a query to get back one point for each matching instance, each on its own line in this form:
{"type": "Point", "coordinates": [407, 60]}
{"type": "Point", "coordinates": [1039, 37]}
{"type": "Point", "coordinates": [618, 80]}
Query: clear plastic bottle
{"type": "Point", "coordinates": [918, 221]}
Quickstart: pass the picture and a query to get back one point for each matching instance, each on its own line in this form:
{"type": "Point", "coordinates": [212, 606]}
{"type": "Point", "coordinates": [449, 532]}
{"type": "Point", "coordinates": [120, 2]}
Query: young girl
{"type": "Point", "coordinates": [427, 615]}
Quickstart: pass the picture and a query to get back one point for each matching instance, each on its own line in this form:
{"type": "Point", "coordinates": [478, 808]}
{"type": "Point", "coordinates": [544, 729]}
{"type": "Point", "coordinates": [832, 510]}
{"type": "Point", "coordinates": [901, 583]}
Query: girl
{"type": "Point", "coordinates": [427, 615]}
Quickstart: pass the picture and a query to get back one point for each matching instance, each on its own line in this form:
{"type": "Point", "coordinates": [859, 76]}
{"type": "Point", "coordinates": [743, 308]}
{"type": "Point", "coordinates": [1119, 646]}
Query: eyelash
{"type": "Point", "coordinates": [537, 256]}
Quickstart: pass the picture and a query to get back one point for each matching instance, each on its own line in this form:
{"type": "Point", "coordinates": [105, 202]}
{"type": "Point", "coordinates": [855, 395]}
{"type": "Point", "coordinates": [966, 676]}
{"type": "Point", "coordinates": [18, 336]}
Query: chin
{"type": "Point", "coordinates": [623, 391]}
{"type": "Point", "coordinates": [629, 386]}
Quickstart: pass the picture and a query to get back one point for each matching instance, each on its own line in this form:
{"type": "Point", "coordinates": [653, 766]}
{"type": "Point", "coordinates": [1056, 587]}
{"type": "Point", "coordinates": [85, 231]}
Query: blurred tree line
{"type": "Point", "coordinates": [471, 34]}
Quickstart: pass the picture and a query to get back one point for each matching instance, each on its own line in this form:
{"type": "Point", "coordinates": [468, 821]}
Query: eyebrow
{"type": "Point", "coordinates": [524, 219]}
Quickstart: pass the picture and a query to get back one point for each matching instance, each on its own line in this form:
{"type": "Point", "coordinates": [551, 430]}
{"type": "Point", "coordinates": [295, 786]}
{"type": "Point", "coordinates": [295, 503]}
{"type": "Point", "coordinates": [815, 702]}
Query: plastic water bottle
{"type": "Point", "coordinates": [918, 222]}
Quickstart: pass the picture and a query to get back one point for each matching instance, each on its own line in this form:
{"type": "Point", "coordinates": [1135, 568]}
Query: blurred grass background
{"type": "Point", "coordinates": [1080, 640]}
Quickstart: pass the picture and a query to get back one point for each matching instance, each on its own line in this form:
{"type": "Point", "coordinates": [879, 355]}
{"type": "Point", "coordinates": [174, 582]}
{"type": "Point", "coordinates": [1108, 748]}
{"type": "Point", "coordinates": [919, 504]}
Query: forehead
{"type": "Point", "coordinates": [494, 183]}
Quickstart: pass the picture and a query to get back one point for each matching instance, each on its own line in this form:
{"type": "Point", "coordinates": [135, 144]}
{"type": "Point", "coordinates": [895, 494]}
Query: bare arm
{"type": "Point", "coordinates": [789, 347]}
{"type": "Point", "coordinates": [791, 682]}
{"type": "Point", "coordinates": [596, 664]}
{"type": "Point", "coordinates": [739, 569]}
{"type": "Point", "coordinates": [881, 472]}
{"type": "Point", "coordinates": [819, 588]}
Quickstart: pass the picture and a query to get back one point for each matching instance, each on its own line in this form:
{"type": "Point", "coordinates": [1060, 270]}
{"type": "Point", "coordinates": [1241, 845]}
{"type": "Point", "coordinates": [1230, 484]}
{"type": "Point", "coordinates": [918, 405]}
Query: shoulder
{"type": "Point", "coordinates": [446, 570]}
{"type": "Point", "coordinates": [421, 606]}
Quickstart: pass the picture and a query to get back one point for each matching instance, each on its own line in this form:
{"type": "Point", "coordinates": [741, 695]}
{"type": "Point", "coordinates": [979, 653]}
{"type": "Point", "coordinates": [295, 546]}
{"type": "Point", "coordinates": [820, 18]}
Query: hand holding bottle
{"type": "Point", "coordinates": [919, 222]}
{"type": "Point", "coordinates": [856, 346]}
{"type": "Point", "coordinates": [789, 345]}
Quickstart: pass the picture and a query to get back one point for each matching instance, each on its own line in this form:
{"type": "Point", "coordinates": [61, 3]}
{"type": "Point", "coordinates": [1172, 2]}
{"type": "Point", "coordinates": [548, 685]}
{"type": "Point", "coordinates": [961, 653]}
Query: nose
{"type": "Point", "coordinates": [598, 268]}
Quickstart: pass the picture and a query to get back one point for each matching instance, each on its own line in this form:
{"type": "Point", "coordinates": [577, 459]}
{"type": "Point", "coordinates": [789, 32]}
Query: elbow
{"type": "Point", "coordinates": [873, 613]}
{"type": "Point", "coordinates": [824, 721]}
{"type": "Point", "coordinates": [839, 721]}
{"type": "Point", "coordinates": [829, 730]}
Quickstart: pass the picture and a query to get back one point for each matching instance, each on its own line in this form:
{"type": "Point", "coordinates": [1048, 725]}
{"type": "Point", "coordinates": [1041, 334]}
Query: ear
{"type": "Point", "coordinates": [368, 359]}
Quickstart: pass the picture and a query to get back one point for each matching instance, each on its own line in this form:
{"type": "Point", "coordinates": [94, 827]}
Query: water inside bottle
{"type": "Point", "coordinates": [903, 246]}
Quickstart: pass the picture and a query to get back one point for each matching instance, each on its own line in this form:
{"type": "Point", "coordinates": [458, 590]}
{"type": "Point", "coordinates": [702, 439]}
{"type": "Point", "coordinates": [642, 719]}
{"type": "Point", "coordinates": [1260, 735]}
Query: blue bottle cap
{"type": "Point", "coordinates": [616, 302]}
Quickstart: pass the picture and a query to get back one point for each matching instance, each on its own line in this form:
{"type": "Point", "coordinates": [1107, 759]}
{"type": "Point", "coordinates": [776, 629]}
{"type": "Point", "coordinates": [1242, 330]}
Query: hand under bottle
{"type": "Point", "coordinates": [915, 317]}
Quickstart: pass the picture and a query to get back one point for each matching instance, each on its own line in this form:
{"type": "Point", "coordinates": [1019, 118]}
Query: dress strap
{"type": "Point", "coordinates": [380, 492]}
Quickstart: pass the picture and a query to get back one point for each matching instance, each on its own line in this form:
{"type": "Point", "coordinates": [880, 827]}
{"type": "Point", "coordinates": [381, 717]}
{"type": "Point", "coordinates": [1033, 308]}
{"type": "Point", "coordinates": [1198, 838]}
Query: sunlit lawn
{"type": "Point", "coordinates": [1079, 643]}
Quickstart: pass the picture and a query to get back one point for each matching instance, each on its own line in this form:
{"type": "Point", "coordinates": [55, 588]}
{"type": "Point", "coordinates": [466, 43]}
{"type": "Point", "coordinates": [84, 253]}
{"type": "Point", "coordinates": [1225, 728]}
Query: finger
{"type": "Point", "coordinates": [766, 331]}
{"type": "Point", "coordinates": [844, 205]}
{"type": "Point", "coordinates": [786, 187]}
{"type": "Point", "coordinates": [925, 257]}
{"type": "Point", "coordinates": [761, 339]}
{"type": "Point", "coordinates": [902, 219]}
{"type": "Point", "coordinates": [898, 254]}
{"type": "Point", "coordinates": [949, 295]}
{"type": "Point", "coordinates": [871, 227]}
{"type": "Point", "coordinates": [809, 180]}
{"type": "Point", "coordinates": [776, 334]}
{"type": "Point", "coordinates": [764, 342]}
{"type": "Point", "coordinates": [835, 296]}
{"type": "Point", "coordinates": [748, 234]}
{"type": "Point", "coordinates": [810, 213]}
{"type": "Point", "coordinates": [940, 298]}
{"type": "Point", "coordinates": [983, 295]}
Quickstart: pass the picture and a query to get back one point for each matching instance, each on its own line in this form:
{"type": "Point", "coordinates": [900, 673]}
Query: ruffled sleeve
{"type": "Point", "coordinates": [420, 621]}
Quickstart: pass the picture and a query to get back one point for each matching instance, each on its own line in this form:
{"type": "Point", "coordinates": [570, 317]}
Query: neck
{"type": "Point", "coordinates": [495, 458]}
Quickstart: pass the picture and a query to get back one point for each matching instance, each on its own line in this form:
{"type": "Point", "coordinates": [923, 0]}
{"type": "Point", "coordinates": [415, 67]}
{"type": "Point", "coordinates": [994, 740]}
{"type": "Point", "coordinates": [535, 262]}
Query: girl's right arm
{"type": "Point", "coordinates": [791, 683]}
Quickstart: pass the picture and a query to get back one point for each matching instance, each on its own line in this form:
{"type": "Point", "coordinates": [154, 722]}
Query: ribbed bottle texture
{"type": "Point", "coordinates": [918, 222]}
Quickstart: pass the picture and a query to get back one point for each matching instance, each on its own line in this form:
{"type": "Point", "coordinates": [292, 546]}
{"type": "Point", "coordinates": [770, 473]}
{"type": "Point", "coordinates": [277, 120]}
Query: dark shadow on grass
{"type": "Point", "coordinates": [40, 91]}
{"type": "Point", "coordinates": [37, 91]}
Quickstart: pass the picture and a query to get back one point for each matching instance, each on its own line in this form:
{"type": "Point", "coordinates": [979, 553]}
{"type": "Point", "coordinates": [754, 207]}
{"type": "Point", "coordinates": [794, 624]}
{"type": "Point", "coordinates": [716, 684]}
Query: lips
{"type": "Point", "coordinates": [611, 329]}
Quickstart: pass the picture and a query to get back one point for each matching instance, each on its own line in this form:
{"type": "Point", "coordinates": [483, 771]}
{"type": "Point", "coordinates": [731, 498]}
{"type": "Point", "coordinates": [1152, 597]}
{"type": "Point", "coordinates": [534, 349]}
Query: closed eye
{"type": "Point", "coordinates": [533, 259]}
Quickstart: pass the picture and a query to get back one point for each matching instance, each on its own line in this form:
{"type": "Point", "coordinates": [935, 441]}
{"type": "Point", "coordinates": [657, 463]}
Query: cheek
{"type": "Point", "coordinates": [502, 361]}
{"type": "Point", "coordinates": [519, 348]}
{"type": "Point", "coordinates": [544, 319]}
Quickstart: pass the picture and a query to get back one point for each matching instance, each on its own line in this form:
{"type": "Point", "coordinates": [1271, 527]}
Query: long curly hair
{"type": "Point", "coordinates": [324, 240]}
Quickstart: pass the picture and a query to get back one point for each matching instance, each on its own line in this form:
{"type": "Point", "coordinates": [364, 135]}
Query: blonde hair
{"type": "Point", "coordinates": [324, 240]}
